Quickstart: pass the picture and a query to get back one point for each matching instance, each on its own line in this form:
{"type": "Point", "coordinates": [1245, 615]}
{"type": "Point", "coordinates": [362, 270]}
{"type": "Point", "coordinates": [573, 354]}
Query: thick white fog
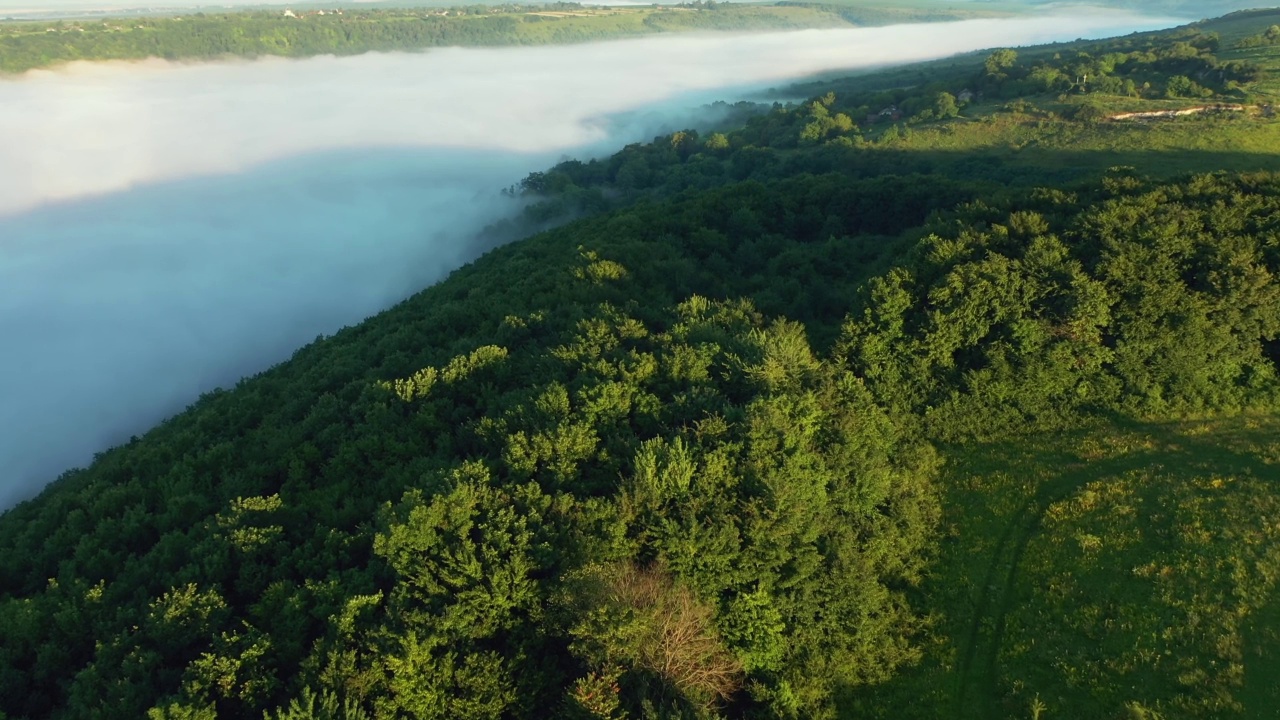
{"type": "Point", "coordinates": [166, 229]}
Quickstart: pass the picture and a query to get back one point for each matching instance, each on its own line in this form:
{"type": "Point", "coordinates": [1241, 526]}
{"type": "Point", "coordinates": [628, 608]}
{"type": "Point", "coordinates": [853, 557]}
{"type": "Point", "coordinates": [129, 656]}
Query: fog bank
{"type": "Point", "coordinates": [168, 228]}
{"type": "Point", "coordinates": [97, 127]}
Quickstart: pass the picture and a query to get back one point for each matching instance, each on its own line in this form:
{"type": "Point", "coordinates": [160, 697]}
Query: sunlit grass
{"type": "Point", "coordinates": [1157, 148]}
{"type": "Point", "coordinates": [1134, 564]}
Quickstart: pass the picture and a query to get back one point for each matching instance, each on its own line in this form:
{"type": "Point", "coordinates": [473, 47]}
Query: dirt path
{"type": "Point", "coordinates": [977, 691]}
{"type": "Point", "coordinates": [977, 671]}
{"type": "Point", "coordinates": [1168, 114]}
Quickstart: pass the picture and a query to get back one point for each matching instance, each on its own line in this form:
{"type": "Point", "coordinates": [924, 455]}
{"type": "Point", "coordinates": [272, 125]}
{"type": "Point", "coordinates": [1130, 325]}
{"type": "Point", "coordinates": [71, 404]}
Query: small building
{"type": "Point", "coordinates": [890, 113]}
{"type": "Point", "coordinates": [965, 96]}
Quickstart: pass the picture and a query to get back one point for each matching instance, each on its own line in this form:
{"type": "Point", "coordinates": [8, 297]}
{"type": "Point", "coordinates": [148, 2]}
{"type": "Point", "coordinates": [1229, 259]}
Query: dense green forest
{"type": "Point", "coordinates": [965, 410]}
{"type": "Point", "coordinates": [1002, 116]}
{"type": "Point", "coordinates": [302, 33]}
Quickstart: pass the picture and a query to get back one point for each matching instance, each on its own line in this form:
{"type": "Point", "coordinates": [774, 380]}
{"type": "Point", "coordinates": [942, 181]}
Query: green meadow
{"type": "Point", "coordinates": [1104, 572]}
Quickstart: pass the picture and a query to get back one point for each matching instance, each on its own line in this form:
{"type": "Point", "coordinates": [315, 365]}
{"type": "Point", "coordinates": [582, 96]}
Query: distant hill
{"type": "Point", "coordinates": [1183, 8]}
{"type": "Point", "coordinates": [316, 29]}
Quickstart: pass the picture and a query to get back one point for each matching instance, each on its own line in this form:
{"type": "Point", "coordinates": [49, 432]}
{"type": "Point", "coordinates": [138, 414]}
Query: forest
{"type": "Point", "coordinates": [969, 409]}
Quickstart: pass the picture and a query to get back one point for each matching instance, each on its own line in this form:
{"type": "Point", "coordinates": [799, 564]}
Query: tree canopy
{"type": "Point", "coordinates": [678, 458]}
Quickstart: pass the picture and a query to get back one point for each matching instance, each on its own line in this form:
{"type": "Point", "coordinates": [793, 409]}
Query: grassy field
{"type": "Point", "coordinates": [1036, 144]}
{"type": "Point", "coordinates": [551, 27]}
{"type": "Point", "coordinates": [1103, 573]}
{"type": "Point", "coordinates": [877, 12]}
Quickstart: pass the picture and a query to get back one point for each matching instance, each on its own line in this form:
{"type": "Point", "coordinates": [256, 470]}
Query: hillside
{"type": "Point", "coordinates": [968, 412]}
{"type": "Point", "coordinates": [1032, 116]}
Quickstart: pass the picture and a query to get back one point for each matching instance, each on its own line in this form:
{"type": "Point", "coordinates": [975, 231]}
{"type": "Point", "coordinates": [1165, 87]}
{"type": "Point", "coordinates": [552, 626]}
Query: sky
{"type": "Point", "coordinates": [168, 228]}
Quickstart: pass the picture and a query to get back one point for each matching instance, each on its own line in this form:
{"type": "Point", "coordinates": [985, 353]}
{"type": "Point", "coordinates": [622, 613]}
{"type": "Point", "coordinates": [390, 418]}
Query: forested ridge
{"type": "Point", "coordinates": [350, 31]}
{"type": "Point", "coordinates": [731, 444]}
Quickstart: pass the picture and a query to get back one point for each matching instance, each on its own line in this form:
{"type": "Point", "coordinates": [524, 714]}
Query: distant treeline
{"type": "Point", "coordinates": [302, 33]}
{"type": "Point", "coordinates": [24, 46]}
{"type": "Point", "coordinates": [1266, 38]}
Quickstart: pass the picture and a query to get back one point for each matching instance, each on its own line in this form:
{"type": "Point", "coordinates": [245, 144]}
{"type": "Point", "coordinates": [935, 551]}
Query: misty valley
{"type": "Point", "coordinates": [208, 220]}
{"type": "Point", "coordinates": [716, 360]}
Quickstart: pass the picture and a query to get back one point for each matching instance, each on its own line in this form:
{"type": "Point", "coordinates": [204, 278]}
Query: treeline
{"type": "Point", "coordinates": [25, 45]}
{"type": "Point", "coordinates": [1178, 64]}
{"type": "Point", "coordinates": [1182, 63]}
{"type": "Point", "coordinates": [1266, 38]}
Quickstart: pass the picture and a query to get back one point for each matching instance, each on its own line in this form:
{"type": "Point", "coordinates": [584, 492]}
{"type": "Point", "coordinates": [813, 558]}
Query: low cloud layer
{"type": "Point", "coordinates": [168, 228]}
{"type": "Point", "coordinates": [103, 127]}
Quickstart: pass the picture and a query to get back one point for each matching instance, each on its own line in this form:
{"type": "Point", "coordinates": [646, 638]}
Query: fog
{"type": "Point", "coordinates": [166, 229]}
